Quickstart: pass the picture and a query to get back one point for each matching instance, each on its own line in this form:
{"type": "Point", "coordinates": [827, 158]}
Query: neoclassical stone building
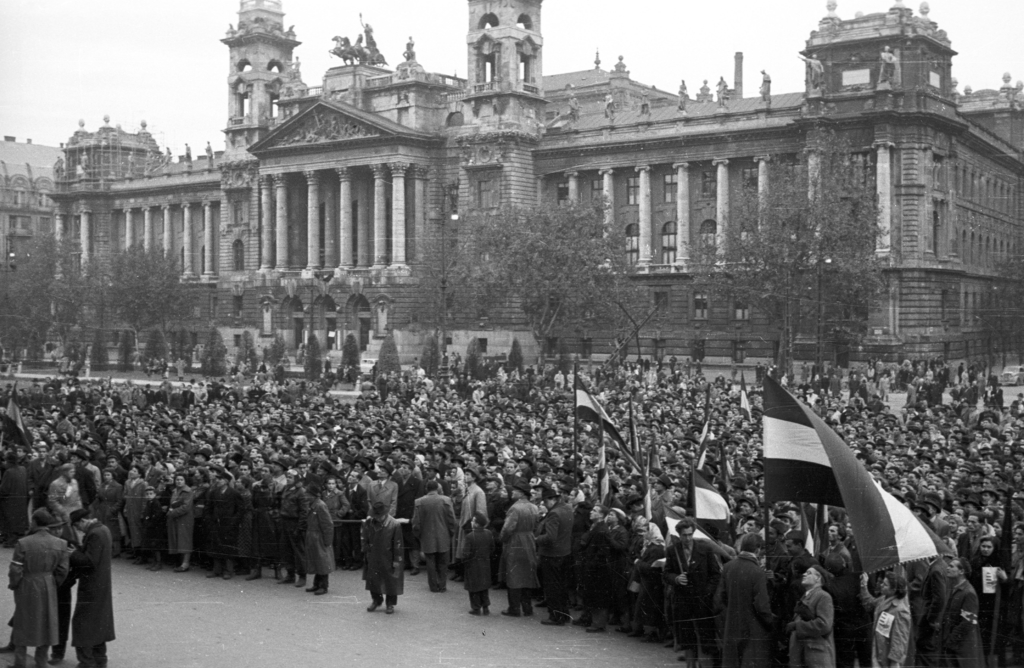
{"type": "Point", "coordinates": [315, 215]}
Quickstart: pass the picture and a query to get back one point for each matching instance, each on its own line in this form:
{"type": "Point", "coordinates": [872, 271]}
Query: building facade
{"type": "Point", "coordinates": [26, 188]}
{"type": "Point", "coordinates": [316, 214]}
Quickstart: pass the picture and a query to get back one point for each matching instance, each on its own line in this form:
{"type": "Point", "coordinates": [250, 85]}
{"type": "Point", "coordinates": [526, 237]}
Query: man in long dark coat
{"type": "Point", "coordinates": [433, 525]}
{"type": "Point", "coordinates": [14, 498]}
{"type": "Point", "coordinates": [383, 554]}
{"type": "Point", "coordinates": [39, 565]}
{"type": "Point", "coordinates": [410, 488]}
{"type": "Point", "coordinates": [748, 621]}
{"type": "Point", "coordinates": [224, 504]}
{"type": "Point", "coordinates": [92, 625]}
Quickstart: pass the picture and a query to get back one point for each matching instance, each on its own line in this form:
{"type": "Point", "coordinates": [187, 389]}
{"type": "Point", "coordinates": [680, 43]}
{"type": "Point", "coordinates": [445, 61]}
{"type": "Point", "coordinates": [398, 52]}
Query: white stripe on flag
{"type": "Point", "coordinates": [912, 539]}
{"type": "Point", "coordinates": [788, 440]}
{"type": "Point", "coordinates": [709, 505]}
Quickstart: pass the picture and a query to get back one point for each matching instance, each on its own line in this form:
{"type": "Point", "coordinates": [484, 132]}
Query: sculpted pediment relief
{"type": "Point", "coordinates": [322, 125]}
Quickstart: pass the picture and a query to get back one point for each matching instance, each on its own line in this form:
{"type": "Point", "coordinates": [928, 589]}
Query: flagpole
{"type": "Point", "coordinates": [576, 421]}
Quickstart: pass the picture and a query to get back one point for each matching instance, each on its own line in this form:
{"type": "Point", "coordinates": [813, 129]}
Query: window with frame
{"type": "Point", "coordinates": [238, 255]}
{"type": "Point", "coordinates": [661, 301]}
{"type": "Point", "coordinates": [632, 243]}
{"type": "Point", "coordinates": [586, 348]}
{"type": "Point", "coordinates": [238, 340]}
{"type": "Point", "coordinates": [562, 192]}
{"type": "Point", "coordinates": [597, 189]}
{"type": "Point", "coordinates": [709, 234]}
{"type": "Point", "coordinates": [709, 184]}
{"type": "Point", "coordinates": [748, 178]}
{"type": "Point", "coordinates": [237, 303]}
{"type": "Point", "coordinates": [213, 306]}
{"type": "Point", "coordinates": [486, 193]}
{"type": "Point", "coordinates": [669, 182]}
{"type": "Point", "coordinates": [632, 190]}
{"type": "Point", "coordinates": [700, 306]}
{"type": "Point", "coordinates": [659, 349]}
{"type": "Point", "coordinates": [741, 310]}
{"type": "Point", "coordinates": [238, 211]}
{"type": "Point", "coordinates": [938, 172]}
{"type": "Point", "coordinates": [668, 243]}
{"type": "Point", "coordinates": [20, 198]}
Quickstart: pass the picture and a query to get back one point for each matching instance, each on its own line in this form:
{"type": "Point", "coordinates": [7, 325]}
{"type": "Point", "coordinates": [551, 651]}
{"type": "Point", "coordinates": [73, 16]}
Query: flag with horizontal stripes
{"type": "Point", "coordinates": [587, 408]}
{"type": "Point", "coordinates": [744, 399]}
{"type": "Point", "coordinates": [603, 484]}
{"type": "Point", "coordinates": [16, 424]}
{"type": "Point", "coordinates": [805, 461]}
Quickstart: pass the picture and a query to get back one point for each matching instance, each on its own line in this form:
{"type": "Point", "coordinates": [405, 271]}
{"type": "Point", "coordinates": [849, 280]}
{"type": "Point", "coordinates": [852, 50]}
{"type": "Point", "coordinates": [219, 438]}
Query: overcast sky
{"type": "Point", "coordinates": [162, 61]}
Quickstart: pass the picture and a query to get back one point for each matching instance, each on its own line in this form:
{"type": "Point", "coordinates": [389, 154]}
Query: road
{"type": "Point", "coordinates": [184, 620]}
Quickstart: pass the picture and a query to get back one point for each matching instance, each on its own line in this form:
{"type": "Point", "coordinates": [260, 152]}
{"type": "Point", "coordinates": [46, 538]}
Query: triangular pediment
{"type": "Point", "coordinates": [331, 122]}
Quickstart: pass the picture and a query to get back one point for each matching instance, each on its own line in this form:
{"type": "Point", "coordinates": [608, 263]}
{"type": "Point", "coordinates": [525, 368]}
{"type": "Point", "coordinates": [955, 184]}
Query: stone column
{"type": "Point", "coordinates": [723, 200]}
{"type": "Point", "coordinates": [608, 190]}
{"type": "Point", "coordinates": [281, 220]}
{"type": "Point", "coordinates": [380, 243]}
{"type": "Point", "coordinates": [330, 225]}
{"type": "Point", "coordinates": [58, 227]}
{"type": "Point", "coordinates": [364, 257]}
{"type": "Point", "coordinates": [186, 240]}
{"type": "Point", "coordinates": [86, 234]}
{"type": "Point", "coordinates": [682, 212]}
{"type": "Point", "coordinates": [398, 213]}
{"type": "Point", "coordinates": [645, 215]}
{"type": "Point", "coordinates": [312, 220]}
{"type": "Point", "coordinates": [419, 175]}
{"type": "Point", "coordinates": [267, 233]}
{"type": "Point", "coordinates": [129, 228]}
{"type": "Point", "coordinates": [209, 257]}
{"type": "Point", "coordinates": [147, 228]}
{"type": "Point", "coordinates": [344, 217]}
{"type": "Point", "coordinates": [883, 180]}
{"type": "Point", "coordinates": [574, 186]}
{"type": "Point", "coordinates": [813, 167]}
{"type": "Point", "coordinates": [165, 223]}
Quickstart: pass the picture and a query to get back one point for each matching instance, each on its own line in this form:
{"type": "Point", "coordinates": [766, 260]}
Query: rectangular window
{"type": "Point", "coordinates": [709, 184]}
{"type": "Point", "coordinates": [213, 306]}
{"type": "Point", "coordinates": [586, 348]}
{"type": "Point", "coordinates": [700, 306]}
{"type": "Point", "coordinates": [748, 178]}
{"type": "Point", "coordinates": [562, 192]}
{"type": "Point", "coordinates": [597, 190]}
{"type": "Point", "coordinates": [551, 345]}
{"type": "Point", "coordinates": [44, 225]}
{"type": "Point", "coordinates": [238, 209]}
{"type": "Point", "coordinates": [669, 181]}
{"type": "Point", "coordinates": [632, 190]}
{"type": "Point", "coordinates": [115, 337]}
{"type": "Point", "coordinates": [238, 340]}
{"type": "Point", "coordinates": [661, 302]}
{"type": "Point", "coordinates": [237, 302]}
{"type": "Point", "coordinates": [486, 194]}
{"type": "Point", "coordinates": [482, 343]}
{"type": "Point", "coordinates": [659, 349]}
{"type": "Point", "coordinates": [742, 310]}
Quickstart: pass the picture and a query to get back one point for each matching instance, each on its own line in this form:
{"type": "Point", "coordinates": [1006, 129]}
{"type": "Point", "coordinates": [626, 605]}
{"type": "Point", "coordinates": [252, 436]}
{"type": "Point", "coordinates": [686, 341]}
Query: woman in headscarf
{"type": "Point", "coordinates": [988, 568]}
{"type": "Point", "coordinates": [648, 612]}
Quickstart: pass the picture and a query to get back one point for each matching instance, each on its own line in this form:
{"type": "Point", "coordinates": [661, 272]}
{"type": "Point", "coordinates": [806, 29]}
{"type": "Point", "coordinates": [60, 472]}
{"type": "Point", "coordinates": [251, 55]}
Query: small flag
{"type": "Point", "coordinates": [587, 408]}
{"type": "Point", "coordinates": [14, 415]}
{"type": "Point", "coordinates": [744, 399]}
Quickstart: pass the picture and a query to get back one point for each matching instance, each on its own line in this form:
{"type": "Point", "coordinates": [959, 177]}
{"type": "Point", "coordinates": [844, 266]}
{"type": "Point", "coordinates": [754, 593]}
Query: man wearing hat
{"type": "Point", "coordinates": [39, 565]}
{"type": "Point", "coordinates": [92, 625]}
{"type": "Point", "coordinates": [554, 548]}
{"type": "Point", "coordinates": [433, 524]}
{"type": "Point", "coordinates": [383, 554]}
{"type": "Point", "coordinates": [520, 551]}
{"type": "Point", "coordinates": [475, 501]}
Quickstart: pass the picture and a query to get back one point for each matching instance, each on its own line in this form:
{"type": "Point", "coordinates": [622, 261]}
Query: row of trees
{"type": "Point", "coordinates": [50, 297]}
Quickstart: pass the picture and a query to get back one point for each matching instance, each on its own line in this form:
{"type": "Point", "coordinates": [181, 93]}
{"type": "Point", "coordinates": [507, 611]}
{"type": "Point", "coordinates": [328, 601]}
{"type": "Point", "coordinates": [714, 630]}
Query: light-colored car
{"type": "Point", "coordinates": [366, 365]}
{"type": "Point", "coordinates": [1012, 375]}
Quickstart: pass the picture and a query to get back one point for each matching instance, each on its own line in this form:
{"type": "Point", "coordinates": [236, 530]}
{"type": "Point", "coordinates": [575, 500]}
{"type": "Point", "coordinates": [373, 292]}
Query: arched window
{"type": "Point", "coordinates": [488, 21]}
{"type": "Point", "coordinates": [668, 243]}
{"type": "Point", "coordinates": [275, 66]}
{"type": "Point", "coordinates": [238, 254]}
{"type": "Point", "coordinates": [632, 243]}
{"type": "Point", "coordinates": [708, 234]}
{"type": "Point", "coordinates": [525, 22]}
{"type": "Point", "coordinates": [455, 119]}
{"type": "Point", "coordinates": [243, 66]}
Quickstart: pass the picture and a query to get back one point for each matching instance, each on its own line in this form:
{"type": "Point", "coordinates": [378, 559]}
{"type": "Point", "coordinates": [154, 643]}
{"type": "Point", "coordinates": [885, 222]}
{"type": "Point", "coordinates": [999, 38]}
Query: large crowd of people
{"type": "Point", "coordinates": [492, 485]}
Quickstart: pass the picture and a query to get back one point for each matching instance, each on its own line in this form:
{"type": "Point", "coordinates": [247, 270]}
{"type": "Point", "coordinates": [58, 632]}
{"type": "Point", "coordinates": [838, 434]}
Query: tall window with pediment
{"type": "Point", "coordinates": [632, 243]}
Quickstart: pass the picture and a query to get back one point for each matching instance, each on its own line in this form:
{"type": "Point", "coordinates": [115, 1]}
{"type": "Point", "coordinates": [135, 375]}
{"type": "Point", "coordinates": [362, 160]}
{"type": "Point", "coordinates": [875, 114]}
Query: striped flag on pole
{"type": "Point", "coordinates": [805, 461]}
{"type": "Point", "coordinates": [744, 399]}
{"type": "Point", "coordinates": [16, 423]}
{"type": "Point", "coordinates": [587, 408]}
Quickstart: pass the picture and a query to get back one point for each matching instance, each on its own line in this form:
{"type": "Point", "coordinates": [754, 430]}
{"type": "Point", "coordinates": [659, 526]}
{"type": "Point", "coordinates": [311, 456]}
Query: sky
{"type": "Point", "coordinates": [162, 61]}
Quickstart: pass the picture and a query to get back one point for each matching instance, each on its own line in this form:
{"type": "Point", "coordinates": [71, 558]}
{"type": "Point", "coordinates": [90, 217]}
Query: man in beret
{"type": "Point", "coordinates": [38, 567]}
{"type": "Point", "coordinates": [92, 625]}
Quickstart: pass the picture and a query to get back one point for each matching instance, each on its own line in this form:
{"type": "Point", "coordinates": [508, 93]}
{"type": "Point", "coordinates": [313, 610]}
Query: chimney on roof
{"type": "Point", "coordinates": [10, 138]}
{"type": "Point", "coordinates": [737, 76]}
{"type": "Point", "coordinates": [28, 141]}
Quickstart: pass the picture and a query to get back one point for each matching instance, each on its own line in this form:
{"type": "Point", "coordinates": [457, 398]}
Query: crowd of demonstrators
{"type": "Point", "coordinates": [479, 483]}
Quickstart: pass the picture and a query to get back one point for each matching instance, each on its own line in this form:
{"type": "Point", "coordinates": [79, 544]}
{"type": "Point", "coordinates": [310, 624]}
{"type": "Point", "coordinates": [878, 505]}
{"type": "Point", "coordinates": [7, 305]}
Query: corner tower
{"type": "Point", "coordinates": [260, 68]}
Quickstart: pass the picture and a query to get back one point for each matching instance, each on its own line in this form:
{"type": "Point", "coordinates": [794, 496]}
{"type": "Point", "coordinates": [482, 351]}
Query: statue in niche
{"type": "Point", "coordinates": [815, 72]}
{"type": "Point", "coordinates": [609, 106]}
{"type": "Point", "coordinates": [684, 95]}
{"type": "Point", "coordinates": [887, 71]}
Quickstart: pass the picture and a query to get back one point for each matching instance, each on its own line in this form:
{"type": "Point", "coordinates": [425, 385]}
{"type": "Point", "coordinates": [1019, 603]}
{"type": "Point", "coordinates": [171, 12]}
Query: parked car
{"type": "Point", "coordinates": [1012, 375]}
{"type": "Point", "coordinates": [366, 365]}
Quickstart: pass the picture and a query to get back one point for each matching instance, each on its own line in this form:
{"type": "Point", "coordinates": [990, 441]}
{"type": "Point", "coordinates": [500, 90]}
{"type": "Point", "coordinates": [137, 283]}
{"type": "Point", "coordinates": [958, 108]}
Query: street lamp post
{"type": "Point", "coordinates": [451, 212]}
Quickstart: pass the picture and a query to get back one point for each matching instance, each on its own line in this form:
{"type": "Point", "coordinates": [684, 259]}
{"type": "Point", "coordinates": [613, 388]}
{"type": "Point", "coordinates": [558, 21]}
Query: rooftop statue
{"type": "Point", "coordinates": [887, 71]}
{"type": "Point", "coordinates": [815, 72]}
{"type": "Point", "coordinates": [410, 50]}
